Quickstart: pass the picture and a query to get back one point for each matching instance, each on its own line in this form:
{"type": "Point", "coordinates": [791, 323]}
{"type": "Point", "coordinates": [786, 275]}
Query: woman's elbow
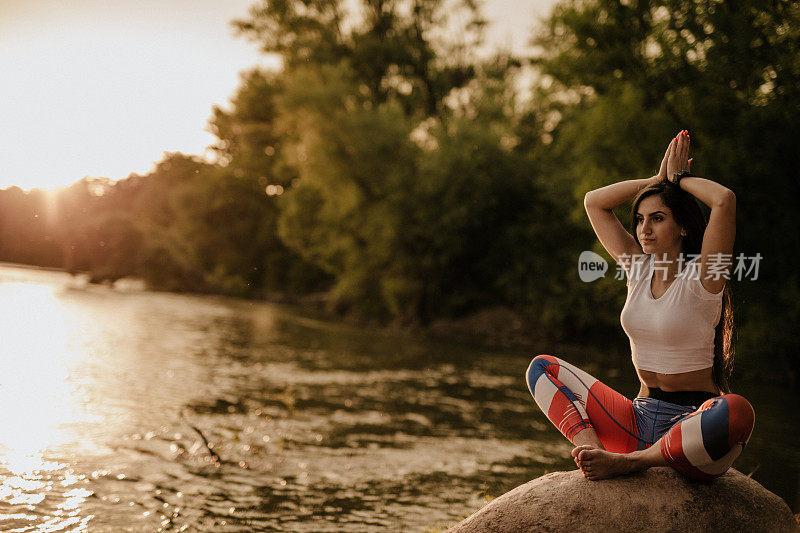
{"type": "Point", "coordinates": [727, 199]}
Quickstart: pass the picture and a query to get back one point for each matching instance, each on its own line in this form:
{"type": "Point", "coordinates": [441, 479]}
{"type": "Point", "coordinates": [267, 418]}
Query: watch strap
{"type": "Point", "coordinates": [678, 176]}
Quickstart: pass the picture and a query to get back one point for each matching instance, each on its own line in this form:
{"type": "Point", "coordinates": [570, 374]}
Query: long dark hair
{"type": "Point", "coordinates": [688, 215]}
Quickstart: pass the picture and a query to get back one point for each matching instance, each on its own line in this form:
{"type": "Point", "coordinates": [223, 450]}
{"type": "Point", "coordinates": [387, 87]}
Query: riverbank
{"type": "Point", "coordinates": [493, 328]}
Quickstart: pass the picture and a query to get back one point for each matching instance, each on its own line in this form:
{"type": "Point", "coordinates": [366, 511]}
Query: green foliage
{"type": "Point", "coordinates": [403, 50]}
{"type": "Point", "coordinates": [353, 163]}
{"type": "Point", "coordinates": [250, 135]}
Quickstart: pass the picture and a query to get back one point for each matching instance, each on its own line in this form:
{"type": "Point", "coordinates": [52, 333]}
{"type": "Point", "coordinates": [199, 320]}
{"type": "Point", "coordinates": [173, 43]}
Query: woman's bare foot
{"type": "Point", "coordinates": [600, 464]}
{"type": "Point", "coordinates": [597, 463]}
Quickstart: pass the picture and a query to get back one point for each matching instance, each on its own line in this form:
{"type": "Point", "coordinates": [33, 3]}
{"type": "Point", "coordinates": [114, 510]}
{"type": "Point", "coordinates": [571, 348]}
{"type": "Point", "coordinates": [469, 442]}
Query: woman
{"type": "Point", "coordinates": [679, 321]}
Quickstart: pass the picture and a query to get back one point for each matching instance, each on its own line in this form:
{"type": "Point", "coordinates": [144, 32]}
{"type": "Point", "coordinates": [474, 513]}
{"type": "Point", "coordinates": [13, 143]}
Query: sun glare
{"type": "Point", "coordinates": [34, 388]}
{"type": "Point", "coordinates": [103, 89]}
{"type": "Point", "coordinates": [38, 402]}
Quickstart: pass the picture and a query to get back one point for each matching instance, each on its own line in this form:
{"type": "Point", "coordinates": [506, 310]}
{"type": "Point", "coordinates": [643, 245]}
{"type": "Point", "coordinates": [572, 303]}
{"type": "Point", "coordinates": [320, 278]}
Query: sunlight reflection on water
{"type": "Point", "coordinates": [37, 397]}
{"type": "Point", "coordinates": [33, 375]}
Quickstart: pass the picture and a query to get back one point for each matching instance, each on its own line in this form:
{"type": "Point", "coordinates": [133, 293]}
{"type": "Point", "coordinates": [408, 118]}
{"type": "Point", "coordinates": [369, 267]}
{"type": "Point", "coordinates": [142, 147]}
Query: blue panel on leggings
{"type": "Point", "coordinates": [571, 396]}
{"type": "Point", "coordinates": [714, 427]}
{"type": "Point", "coordinates": [536, 369]}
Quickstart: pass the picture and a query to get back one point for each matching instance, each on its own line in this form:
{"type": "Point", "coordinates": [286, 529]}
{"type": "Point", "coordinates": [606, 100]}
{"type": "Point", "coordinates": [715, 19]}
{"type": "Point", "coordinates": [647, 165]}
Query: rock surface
{"type": "Point", "coordinates": [658, 499]}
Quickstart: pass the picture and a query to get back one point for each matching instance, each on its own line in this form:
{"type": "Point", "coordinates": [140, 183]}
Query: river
{"type": "Point", "coordinates": [130, 410]}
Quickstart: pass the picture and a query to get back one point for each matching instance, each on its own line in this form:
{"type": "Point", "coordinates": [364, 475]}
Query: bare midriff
{"type": "Point", "coordinates": [698, 380]}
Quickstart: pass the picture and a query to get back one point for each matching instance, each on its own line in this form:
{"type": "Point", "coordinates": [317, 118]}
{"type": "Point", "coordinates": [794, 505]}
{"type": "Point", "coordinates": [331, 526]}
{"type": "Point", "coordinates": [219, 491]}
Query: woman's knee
{"type": "Point", "coordinates": [705, 446]}
{"type": "Point", "coordinates": [741, 419]}
{"type": "Point", "coordinates": [538, 367]}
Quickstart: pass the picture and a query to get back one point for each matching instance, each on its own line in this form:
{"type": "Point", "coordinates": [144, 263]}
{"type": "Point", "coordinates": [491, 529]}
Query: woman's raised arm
{"type": "Point", "coordinates": [616, 194]}
{"type": "Point", "coordinates": [600, 204]}
{"type": "Point", "coordinates": [716, 254]}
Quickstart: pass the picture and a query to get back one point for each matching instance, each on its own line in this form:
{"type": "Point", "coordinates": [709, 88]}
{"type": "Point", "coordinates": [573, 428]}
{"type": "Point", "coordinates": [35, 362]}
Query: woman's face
{"type": "Point", "coordinates": [657, 230]}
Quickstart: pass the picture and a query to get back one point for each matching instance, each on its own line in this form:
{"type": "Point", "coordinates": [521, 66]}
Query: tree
{"type": "Point", "coordinates": [397, 49]}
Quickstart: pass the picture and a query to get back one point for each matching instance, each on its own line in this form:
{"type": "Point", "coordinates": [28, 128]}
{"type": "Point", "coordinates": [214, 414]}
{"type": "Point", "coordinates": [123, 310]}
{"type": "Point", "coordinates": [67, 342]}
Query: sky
{"type": "Point", "coordinates": [103, 88]}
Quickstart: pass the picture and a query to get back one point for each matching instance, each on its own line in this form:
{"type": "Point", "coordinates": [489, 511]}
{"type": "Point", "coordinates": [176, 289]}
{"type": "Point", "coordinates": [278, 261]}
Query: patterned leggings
{"type": "Point", "coordinates": [699, 441]}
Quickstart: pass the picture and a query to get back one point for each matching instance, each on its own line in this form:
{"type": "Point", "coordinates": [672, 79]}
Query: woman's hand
{"type": "Point", "coordinates": [662, 171]}
{"type": "Point", "coordinates": [677, 157]}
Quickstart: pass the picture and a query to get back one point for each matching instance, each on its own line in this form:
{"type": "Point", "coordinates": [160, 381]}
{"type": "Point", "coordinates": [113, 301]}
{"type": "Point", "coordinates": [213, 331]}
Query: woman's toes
{"type": "Point", "coordinates": [586, 454]}
{"type": "Point", "coordinates": [577, 449]}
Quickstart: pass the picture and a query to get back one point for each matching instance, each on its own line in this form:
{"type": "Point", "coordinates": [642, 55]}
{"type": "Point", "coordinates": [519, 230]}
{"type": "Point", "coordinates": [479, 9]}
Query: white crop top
{"type": "Point", "coordinates": [674, 333]}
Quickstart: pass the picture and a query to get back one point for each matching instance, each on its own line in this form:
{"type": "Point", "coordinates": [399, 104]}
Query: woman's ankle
{"type": "Point", "coordinates": [587, 436]}
{"type": "Point", "coordinates": [644, 459]}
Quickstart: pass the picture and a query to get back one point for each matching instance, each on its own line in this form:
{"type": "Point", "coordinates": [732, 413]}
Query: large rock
{"type": "Point", "coordinates": [658, 499]}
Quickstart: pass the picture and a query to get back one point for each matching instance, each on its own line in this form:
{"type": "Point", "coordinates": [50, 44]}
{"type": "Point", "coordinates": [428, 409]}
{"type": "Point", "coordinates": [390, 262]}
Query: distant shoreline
{"type": "Point", "coordinates": [34, 267]}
